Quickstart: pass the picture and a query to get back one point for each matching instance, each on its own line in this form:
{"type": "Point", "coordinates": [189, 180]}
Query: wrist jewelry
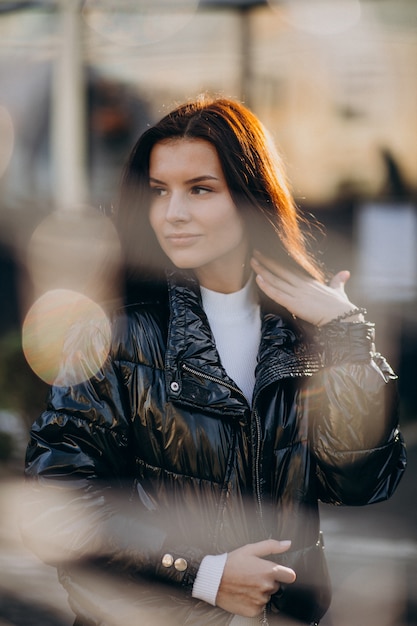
{"type": "Point", "coordinates": [355, 311]}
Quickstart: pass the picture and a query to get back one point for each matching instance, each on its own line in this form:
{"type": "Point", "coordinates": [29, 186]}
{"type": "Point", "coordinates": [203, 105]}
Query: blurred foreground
{"type": "Point", "coordinates": [372, 554]}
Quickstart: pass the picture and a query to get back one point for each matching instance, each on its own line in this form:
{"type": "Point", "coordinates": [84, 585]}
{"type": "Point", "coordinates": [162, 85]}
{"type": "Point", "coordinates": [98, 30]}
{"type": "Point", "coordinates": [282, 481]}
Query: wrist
{"type": "Point", "coordinates": [209, 575]}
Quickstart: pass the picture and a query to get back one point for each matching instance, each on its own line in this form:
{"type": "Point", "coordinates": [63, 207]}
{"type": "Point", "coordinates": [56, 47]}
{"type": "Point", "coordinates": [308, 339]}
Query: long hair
{"type": "Point", "coordinates": [253, 172]}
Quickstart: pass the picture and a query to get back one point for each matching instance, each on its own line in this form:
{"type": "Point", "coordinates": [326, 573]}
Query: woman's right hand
{"type": "Point", "coordinates": [249, 580]}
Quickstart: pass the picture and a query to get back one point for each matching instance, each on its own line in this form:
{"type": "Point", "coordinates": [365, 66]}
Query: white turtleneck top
{"type": "Point", "coordinates": [236, 326]}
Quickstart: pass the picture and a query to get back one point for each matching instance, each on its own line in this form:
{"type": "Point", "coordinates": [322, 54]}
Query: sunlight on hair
{"type": "Point", "coordinates": [322, 17]}
{"type": "Point", "coordinates": [138, 22]}
{"type": "Point", "coordinates": [7, 139]}
{"type": "Point", "coordinates": [65, 337]}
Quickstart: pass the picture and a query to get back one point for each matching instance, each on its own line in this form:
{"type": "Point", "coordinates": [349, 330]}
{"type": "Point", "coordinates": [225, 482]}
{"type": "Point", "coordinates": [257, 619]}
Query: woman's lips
{"type": "Point", "coordinates": [181, 240]}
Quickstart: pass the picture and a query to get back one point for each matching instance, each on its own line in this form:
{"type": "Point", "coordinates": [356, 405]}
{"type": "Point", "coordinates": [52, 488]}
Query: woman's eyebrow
{"type": "Point", "coordinates": [190, 181]}
{"type": "Point", "coordinates": [199, 179]}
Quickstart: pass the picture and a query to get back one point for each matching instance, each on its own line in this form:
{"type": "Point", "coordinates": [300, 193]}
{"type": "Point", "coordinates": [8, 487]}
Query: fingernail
{"type": "Point", "coordinates": [285, 543]}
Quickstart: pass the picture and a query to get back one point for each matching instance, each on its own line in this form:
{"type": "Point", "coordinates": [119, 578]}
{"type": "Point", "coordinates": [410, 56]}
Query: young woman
{"type": "Point", "coordinates": [241, 388]}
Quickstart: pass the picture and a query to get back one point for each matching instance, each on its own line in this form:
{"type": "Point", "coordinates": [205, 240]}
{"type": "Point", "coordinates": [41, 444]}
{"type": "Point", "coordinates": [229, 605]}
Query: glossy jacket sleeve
{"type": "Point", "coordinates": [359, 451]}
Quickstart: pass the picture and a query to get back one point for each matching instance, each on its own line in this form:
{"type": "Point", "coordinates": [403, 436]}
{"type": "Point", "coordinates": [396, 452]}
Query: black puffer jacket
{"type": "Point", "coordinates": [160, 454]}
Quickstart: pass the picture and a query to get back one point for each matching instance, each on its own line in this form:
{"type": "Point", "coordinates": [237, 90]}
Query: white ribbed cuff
{"type": "Point", "coordinates": [209, 575]}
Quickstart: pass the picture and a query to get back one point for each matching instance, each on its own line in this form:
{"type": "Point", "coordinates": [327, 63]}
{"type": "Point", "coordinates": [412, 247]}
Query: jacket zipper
{"type": "Point", "coordinates": [213, 379]}
{"type": "Point", "coordinates": [220, 381]}
{"type": "Point", "coordinates": [256, 464]}
{"type": "Point", "coordinates": [257, 486]}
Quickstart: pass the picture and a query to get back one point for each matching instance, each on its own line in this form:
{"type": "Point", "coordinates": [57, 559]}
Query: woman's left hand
{"type": "Point", "coordinates": [303, 296]}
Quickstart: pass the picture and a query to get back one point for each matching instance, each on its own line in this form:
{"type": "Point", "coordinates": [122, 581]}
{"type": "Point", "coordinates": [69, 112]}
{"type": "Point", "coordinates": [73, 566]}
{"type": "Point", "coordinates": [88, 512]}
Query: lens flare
{"type": "Point", "coordinates": [138, 22]}
{"type": "Point", "coordinates": [65, 337]}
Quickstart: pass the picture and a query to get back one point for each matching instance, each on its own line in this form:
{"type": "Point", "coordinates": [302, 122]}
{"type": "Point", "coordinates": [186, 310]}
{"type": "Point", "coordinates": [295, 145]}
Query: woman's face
{"type": "Point", "coordinates": [193, 215]}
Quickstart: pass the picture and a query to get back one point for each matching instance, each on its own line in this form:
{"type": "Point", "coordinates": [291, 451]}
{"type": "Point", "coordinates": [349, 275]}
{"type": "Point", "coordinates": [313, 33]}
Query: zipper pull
{"type": "Point", "coordinates": [264, 620]}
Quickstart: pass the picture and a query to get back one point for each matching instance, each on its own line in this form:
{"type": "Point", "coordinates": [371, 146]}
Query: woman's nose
{"type": "Point", "coordinates": [177, 210]}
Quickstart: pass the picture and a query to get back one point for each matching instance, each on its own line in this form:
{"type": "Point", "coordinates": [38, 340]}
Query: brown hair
{"type": "Point", "coordinates": [253, 172]}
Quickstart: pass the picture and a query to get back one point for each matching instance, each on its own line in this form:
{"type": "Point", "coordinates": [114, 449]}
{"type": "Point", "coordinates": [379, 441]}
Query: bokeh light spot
{"type": "Point", "coordinates": [85, 249]}
{"type": "Point", "coordinates": [65, 337]}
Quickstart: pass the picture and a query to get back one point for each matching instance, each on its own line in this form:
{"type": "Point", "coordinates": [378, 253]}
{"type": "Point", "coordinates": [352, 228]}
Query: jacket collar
{"type": "Point", "coordinates": [194, 373]}
{"type": "Point", "coordinates": [284, 351]}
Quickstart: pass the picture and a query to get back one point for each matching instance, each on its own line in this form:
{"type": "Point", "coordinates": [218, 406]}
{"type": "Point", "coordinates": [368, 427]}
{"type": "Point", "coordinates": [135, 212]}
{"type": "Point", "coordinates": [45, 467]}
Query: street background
{"type": "Point", "coordinates": [335, 81]}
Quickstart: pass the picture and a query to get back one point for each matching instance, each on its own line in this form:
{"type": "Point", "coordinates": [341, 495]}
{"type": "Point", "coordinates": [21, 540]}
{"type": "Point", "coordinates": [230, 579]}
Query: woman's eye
{"type": "Point", "coordinates": [198, 191]}
{"type": "Point", "coordinates": [158, 191]}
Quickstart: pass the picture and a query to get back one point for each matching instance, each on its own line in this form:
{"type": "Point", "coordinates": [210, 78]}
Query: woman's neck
{"type": "Point", "coordinates": [224, 280]}
{"type": "Point", "coordinates": [230, 305]}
